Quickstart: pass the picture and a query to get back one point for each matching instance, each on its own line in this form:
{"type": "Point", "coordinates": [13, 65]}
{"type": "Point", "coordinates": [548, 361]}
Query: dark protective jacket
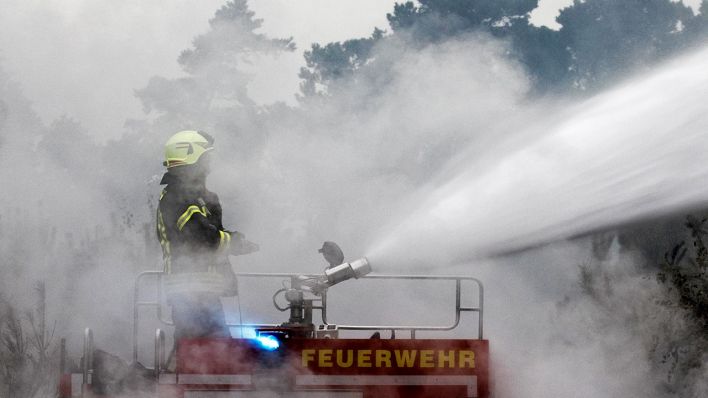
{"type": "Point", "coordinates": [194, 242]}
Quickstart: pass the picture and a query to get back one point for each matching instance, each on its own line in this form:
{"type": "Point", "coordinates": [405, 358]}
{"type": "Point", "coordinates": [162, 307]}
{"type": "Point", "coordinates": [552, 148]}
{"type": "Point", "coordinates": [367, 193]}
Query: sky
{"type": "Point", "coordinates": [54, 48]}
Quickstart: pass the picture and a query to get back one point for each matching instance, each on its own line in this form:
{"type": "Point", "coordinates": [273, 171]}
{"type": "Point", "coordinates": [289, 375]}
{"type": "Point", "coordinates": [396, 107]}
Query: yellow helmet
{"type": "Point", "coordinates": [186, 147]}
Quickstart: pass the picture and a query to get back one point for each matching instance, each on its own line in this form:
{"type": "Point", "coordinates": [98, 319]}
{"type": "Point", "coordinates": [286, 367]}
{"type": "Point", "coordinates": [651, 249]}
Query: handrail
{"type": "Point", "coordinates": [458, 299]}
{"type": "Point", "coordinates": [62, 356]}
{"type": "Point", "coordinates": [323, 308]}
{"type": "Point", "coordinates": [458, 305]}
{"type": "Point", "coordinates": [159, 352]}
{"type": "Point", "coordinates": [137, 304]}
{"type": "Point", "coordinates": [87, 365]}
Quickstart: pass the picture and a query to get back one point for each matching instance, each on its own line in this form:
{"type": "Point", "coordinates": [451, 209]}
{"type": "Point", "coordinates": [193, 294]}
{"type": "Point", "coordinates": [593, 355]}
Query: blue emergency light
{"type": "Point", "coordinates": [268, 342]}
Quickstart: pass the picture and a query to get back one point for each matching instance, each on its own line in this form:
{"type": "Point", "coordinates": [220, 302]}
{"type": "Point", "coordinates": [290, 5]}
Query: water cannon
{"type": "Point", "coordinates": [301, 307]}
{"type": "Point", "coordinates": [334, 275]}
{"type": "Point", "coordinates": [345, 271]}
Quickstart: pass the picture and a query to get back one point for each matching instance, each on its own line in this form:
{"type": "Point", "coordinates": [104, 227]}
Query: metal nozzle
{"type": "Point", "coordinates": [342, 272]}
{"type": "Point", "coordinates": [361, 267]}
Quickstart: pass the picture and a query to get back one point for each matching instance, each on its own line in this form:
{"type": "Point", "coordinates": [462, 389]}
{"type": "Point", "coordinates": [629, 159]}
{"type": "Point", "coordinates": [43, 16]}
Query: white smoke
{"type": "Point", "coordinates": [444, 161]}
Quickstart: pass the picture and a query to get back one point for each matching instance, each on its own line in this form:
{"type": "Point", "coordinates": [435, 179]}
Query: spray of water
{"type": "Point", "coordinates": [634, 152]}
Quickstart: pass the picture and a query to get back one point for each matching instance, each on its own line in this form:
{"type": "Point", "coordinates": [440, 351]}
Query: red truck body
{"type": "Point", "coordinates": [365, 368]}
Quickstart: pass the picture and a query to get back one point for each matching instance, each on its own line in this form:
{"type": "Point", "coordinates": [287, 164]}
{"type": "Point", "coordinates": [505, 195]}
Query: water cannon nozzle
{"type": "Point", "coordinates": [342, 272]}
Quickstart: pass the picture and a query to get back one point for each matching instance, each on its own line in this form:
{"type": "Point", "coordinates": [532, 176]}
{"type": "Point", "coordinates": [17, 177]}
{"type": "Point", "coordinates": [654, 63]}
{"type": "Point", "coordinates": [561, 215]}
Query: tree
{"type": "Point", "coordinates": [334, 61]}
{"type": "Point", "coordinates": [607, 38]}
{"type": "Point", "coordinates": [688, 276]}
{"type": "Point", "coordinates": [214, 94]}
{"type": "Point", "coordinates": [684, 273]}
{"type": "Point", "coordinates": [434, 20]}
{"type": "Point", "coordinates": [598, 42]}
{"type": "Point", "coordinates": [420, 25]}
{"type": "Point", "coordinates": [67, 144]}
{"type": "Point", "coordinates": [417, 26]}
{"type": "Point", "coordinates": [19, 123]}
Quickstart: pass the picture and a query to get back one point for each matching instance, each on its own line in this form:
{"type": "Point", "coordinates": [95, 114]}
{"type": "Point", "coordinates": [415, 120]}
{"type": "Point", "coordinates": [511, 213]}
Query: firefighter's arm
{"type": "Point", "coordinates": [195, 225]}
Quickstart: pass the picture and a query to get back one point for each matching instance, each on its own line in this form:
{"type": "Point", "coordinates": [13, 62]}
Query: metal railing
{"type": "Point", "coordinates": [459, 308]}
{"type": "Point", "coordinates": [137, 304]}
{"type": "Point", "coordinates": [159, 352]}
{"type": "Point", "coordinates": [413, 329]}
{"type": "Point", "coordinates": [87, 362]}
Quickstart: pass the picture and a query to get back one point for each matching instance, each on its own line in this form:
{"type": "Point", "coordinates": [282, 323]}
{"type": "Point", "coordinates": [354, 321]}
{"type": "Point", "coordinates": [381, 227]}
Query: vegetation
{"type": "Point", "coordinates": [599, 40]}
{"type": "Point", "coordinates": [684, 272]}
{"type": "Point", "coordinates": [666, 315]}
{"type": "Point", "coordinates": [28, 351]}
{"type": "Point", "coordinates": [687, 277]}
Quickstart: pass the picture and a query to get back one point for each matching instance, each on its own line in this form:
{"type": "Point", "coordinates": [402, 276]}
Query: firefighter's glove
{"type": "Point", "coordinates": [239, 244]}
{"type": "Point", "coordinates": [249, 247]}
{"type": "Point", "coordinates": [237, 236]}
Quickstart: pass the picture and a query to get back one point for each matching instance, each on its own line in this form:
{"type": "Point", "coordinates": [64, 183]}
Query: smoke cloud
{"type": "Point", "coordinates": [432, 159]}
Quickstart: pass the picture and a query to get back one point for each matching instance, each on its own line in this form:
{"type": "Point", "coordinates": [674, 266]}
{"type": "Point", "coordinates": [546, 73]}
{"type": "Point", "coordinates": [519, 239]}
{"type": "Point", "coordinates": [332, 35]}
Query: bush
{"type": "Point", "coordinates": [28, 357]}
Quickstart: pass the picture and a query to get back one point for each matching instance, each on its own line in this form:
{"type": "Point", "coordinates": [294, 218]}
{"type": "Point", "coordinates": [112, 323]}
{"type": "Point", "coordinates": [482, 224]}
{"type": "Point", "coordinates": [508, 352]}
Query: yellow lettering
{"type": "Point", "coordinates": [383, 358]}
{"type": "Point", "coordinates": [467, 359]}
{"type": "Point", "coordinates": [325, 357]}
{"type": "Point", "coordinates": [341, 362]}
{"type": "Point", "coordinates": [308, 356]}
{"type": "Point", "coordinates": [363, 359]}
{"type": "Point", "coordinates": [405, 358]}
{"type": "Point", "coordinates": [448, 359]}
{"type": "Point", "coordinates": [426, 359]}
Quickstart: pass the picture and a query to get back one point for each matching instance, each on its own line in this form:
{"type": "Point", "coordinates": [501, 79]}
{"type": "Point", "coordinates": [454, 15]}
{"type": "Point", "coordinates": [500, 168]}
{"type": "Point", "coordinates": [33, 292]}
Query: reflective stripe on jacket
{"type": "Point", "coordinates": [194, 242]}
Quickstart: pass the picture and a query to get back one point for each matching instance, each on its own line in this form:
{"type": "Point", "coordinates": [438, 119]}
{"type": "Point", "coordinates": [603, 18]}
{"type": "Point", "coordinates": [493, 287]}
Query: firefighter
{"type": "Point", "coordinates": [195, 245]}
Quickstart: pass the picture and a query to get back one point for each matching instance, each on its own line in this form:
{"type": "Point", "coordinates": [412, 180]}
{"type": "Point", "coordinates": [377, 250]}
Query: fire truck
{"type": "Point", "coordinates": [296, 358]}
